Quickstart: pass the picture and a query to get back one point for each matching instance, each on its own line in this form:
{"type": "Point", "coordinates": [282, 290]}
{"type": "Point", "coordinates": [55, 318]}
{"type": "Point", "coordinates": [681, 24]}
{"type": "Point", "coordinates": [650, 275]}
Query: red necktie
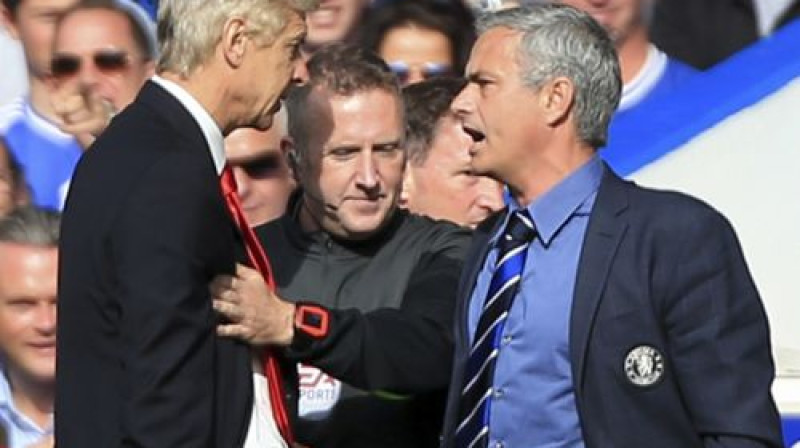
{"type": "Point", "coordinates": [258, 259]}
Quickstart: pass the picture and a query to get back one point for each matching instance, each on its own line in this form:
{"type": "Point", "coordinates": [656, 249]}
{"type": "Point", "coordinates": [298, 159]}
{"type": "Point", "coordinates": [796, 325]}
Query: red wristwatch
{"type": "Point", "coordinates": [311, 320]}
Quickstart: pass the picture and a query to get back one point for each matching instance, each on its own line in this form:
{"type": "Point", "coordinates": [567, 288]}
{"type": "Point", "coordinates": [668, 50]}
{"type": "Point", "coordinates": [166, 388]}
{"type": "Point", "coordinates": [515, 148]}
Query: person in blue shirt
{"type": "Point", "coordinates": [28, 271]}
{"type": "Point", "coordinates": [592, 312]}
{"type": "Point", "coordinates": [648, 74]}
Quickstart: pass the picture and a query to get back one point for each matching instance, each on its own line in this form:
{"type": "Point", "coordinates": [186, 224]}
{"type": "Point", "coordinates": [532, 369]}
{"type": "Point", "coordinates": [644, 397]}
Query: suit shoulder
{"type": "Point", "coordinates": [674, 210]}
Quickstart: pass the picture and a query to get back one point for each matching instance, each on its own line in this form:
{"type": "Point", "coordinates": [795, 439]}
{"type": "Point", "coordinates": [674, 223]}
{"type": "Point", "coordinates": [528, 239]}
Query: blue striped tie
{"type": "Point", "coordinates": [473, 428]}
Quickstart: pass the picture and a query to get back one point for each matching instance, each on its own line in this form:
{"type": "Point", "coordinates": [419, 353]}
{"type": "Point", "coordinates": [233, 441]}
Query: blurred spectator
{"type": "Point", "coordinates": [28, 271]}
{"type": "Point", "coordinates": [77, 100]}
{"type": "Point", "coordinates": [13, 190]}
{"type": "Point", "coordinates": [47, 154]}
{"type": "Point", "coordinates": [646, 70]}
{"type": "Point", "coordinates": [103, 54]}
{"type": "Point", "coordinates": [703, 32]}
{"type": "Point", "coordinates": [420, 39]}
{"type": "Point", "coordinates": [438, 181]}
{"type": "Point", "coordinates": [334, 21]}
{"type": "Point", "coordinates": [261, 169]}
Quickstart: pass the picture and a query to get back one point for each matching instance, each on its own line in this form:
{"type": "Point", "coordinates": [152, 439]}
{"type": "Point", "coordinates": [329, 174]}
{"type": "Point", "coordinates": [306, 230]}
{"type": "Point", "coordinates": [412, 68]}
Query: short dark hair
{"type": "Point", "coordinates": [31, 226]}
{"type": "Point", "coordinates": [141, 28]}
{"type": "Point", "coordinates": [341, 69]}
{"type": "Point", "coordinates": [449, 17]}
{"type": "Point", "coordinates": [426, 103]}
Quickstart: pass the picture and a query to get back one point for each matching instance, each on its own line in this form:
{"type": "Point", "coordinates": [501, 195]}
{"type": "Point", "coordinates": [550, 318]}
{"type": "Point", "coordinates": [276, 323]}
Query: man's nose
{"type": "Point", "coordinates": [242, 181]}
{"type": "Point", "coordinates": [463, 103]}
{"type": "Point", "coordinates": [300, 73]}
{"type": "Point", "coordinates": [46, 319]}
{"type": "Point", "coordinates": [367, 176]}
{"type": "Point", "coordinates": [490, 194]}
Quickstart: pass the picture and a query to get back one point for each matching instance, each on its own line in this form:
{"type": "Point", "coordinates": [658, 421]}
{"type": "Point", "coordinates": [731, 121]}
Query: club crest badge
{"type": "Point", "coordinates": [644, 366]}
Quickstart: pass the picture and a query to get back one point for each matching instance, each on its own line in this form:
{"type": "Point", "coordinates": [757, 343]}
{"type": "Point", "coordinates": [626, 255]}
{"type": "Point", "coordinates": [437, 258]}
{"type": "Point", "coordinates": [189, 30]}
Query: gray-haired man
{"type": "Point", "coordinates": [593, 312]}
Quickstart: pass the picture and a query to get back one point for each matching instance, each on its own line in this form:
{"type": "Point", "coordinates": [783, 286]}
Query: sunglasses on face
{"type": "Point", "coordinates": [427, 70]}
{"type": "Point", "coordinates": [107, 61]}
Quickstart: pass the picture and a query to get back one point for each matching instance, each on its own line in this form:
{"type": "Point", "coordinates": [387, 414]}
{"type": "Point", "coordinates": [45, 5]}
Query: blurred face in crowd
{"type": "Point", "coordinates": [352, 169]}
{"type": "Point", "coordinates": [95, 50]}
{"type": "Point", "coordinates": [490, 105]}
{"type": "Point", "coordinates": [333, 21]}
{"type": "Point", "coordinates": [619, 17]}
{"type": "Point", "coordinates": [262, 174]}
{"type": "Point", "coordinates": [282, 60]}
{"type": "Point", "coordinates": [444, 187]}
{"type": "Point", "coordinates": [416, 53]}
{"type": "Point", "coordinates": [28, 311]}
{"type": "Point", "coordinates": [34, 24]}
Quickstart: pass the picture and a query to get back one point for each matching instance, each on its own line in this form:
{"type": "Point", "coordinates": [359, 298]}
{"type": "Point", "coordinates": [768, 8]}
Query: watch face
{"type": "Point", "coordinates": [312, 320]}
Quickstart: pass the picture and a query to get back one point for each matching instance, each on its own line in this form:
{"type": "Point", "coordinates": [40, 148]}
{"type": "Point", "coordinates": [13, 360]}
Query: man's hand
{"type": "Point", "coordinates": [255, 314]}
{"type": "Point", "coordinates": [82, 112]}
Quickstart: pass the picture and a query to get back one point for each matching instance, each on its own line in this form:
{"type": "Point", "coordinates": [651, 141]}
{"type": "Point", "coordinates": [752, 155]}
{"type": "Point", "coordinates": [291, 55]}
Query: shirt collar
{"type": "Point", "coordinates": [5, 390]}
{"type": "Point", "coordinates": [8, 408]}
{"type": "Point", "coordinates": [208, 126]}
{"type": "Point", "coordinates": [552, 210]}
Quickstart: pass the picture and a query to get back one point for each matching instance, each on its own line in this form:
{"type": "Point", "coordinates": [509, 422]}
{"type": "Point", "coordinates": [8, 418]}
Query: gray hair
{"type": "Point", "coordinates": [559, 40]}
{"type": "Point", "coordinates": [31, 226]}
{"type": "Point", "coordinates": [189, 30]}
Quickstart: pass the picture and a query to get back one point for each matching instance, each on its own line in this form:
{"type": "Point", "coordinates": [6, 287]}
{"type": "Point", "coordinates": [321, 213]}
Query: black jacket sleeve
{"type": "Point", "coordinates": [402, 351]}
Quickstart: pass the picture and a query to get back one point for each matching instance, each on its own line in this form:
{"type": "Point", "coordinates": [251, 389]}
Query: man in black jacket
{"type": "Point", "coordinates": [372, 287]}
{"type": "Point", "coordinates": [146, 228]}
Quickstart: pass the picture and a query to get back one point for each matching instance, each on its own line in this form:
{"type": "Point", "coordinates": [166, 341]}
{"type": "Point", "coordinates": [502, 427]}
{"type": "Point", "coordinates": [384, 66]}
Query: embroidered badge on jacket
{"type": "Point", "coordinates": [644, 365]}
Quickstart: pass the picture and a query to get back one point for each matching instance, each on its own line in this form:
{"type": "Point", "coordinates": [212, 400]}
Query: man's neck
{"type": "Point", "coordinates": [209, 94]}
{"type": "Point", "coordinates": [32, 398]}
{"type": "Point", "coordinates": [40, 98]}
{"type": "Point", "coordinates": [548, 170]}
{"type": "Point", "coordinates": [633, 54]}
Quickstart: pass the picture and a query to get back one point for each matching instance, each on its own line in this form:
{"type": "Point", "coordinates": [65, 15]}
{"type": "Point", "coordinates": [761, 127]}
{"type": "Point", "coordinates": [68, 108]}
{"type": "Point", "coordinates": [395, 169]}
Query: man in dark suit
{"type": "Point", "coordinates": [594, 313]}
{"type": "Point", "coordinates": [146, 229]}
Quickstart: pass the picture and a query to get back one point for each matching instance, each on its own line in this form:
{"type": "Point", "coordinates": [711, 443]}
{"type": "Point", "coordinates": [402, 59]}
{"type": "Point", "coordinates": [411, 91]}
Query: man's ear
{"type": "Point", "coordinates": [557, 98]}
{"type": "Point", "coordinates": [407, 189]}
{"type": "Point", "coordinates": [290, 153]}
{"type": "Point", "coordinates": [233, 43]}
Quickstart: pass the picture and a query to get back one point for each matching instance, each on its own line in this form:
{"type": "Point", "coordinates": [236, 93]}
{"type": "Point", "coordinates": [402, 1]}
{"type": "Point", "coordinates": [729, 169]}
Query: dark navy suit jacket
{"type": "Point", "coordinates": [665, 271]}
{"type": "Point", "coordinates": [144, 232]}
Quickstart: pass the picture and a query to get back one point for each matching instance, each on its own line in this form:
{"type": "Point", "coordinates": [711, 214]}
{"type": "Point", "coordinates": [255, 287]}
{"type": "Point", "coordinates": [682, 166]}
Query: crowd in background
{"type": "Point", "coordinates": [84, 61]}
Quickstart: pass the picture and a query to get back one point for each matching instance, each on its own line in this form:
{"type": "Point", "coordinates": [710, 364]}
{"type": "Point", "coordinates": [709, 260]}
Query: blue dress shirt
{"type": "Point", "coordinates": [22, 431]}
{"type": "Point", "coordinates": [534, 400]}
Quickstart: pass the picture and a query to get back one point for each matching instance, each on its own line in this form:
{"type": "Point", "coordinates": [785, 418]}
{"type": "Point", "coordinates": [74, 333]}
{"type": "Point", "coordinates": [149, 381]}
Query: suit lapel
{"type": "Point", "coordinates": [604, 233]}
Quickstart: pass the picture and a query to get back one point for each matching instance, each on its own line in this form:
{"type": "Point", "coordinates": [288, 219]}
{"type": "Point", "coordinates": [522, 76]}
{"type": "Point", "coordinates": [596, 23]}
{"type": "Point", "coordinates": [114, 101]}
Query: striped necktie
{"type": "Point", "coordinates": [474, 405]}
